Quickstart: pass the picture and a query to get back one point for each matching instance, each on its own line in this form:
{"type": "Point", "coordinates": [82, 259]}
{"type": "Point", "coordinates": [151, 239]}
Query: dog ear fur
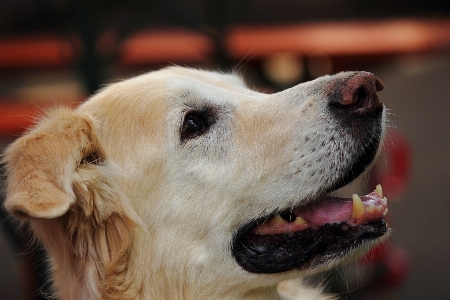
{"type": "Point", "coordinates": [55, 163]}
{"type": "Point", "coordinates": [41, 166]}
{"type": "Point", "coordinates": [61, 180]}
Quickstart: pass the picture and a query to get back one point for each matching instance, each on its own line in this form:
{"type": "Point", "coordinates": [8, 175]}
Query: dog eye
{"type": "Point", "coordinates": [193, 125]}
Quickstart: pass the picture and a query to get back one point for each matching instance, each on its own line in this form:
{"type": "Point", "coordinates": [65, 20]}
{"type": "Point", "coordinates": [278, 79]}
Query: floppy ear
{"type": "Point", "coordinates": [59, 168]}
{"type": "Point", "coordinates": [41, 166]}
{"type": "Point", "coordinates": [51, 163]}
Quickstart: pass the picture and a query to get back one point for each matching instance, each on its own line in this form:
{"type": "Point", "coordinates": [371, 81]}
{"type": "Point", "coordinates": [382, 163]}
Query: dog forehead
{"type": "Point", "coordinates": [224, 80]}
{"type": "Point", "coordinates": [207, 83]}
{"type": "Point", "coordinates": [170, 87]}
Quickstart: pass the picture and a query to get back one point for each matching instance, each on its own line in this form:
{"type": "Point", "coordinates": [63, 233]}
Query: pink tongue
{"type": "Point", "coordinates": [328, 210]}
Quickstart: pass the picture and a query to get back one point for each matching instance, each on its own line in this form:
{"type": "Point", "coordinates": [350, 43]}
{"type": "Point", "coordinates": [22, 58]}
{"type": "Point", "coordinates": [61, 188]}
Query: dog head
{"type": "Point", "coordinates": [186, 183]}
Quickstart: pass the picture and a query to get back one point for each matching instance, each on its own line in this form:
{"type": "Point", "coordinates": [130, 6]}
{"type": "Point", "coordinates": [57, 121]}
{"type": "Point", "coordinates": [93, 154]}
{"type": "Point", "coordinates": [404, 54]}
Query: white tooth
{"type": "Point", "coordinates": [358, 207]}
{"type": "Point", "coordinates": [277, 220]}
{"type": "Point", "coordinates": [299, 221]}
{"type": "Point", "coordinates": [378, 208]}
{"type": "Point", "coordinates": [385, 212]}
{"type": "Point", "coordinates": [379, 191]}
{"type": "Point", "coordinates": [371, 208]}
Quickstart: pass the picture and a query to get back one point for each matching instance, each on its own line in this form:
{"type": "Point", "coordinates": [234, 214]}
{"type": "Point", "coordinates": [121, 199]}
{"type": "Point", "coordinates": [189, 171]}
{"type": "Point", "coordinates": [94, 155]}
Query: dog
{"type": "Point", "coordinates": [186, 184]}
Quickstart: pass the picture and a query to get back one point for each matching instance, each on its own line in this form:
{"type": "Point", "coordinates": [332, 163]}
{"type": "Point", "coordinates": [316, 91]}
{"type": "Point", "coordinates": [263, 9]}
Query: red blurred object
{"type": "Point", "coordinates": [390, 261]}
{"type": "Point", "coordinates": [36, 51]}
{"type": "Point", "coordinates": [394, 171]}
{"type": "Point", "coordinates": [159, 46]}
{"type": "Point", "coordinates": [396, 36]}
{"type": "Point", "coordinates": [396, 262]}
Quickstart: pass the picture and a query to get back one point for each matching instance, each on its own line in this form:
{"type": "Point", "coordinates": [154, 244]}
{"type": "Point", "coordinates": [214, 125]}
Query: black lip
{"type": "Point", "coordinates": [361, 163]}
{"type": "Point", "coordinates": [284, 252]}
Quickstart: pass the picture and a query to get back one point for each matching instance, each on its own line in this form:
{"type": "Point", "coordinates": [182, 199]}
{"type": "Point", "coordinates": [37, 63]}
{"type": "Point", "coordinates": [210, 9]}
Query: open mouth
{"type": "Point", "coordinates": [324, 229]}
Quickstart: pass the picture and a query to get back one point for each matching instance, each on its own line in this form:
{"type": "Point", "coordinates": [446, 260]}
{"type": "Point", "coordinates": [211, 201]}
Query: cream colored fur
{"type": "Point", "coordinates": [126, 210]}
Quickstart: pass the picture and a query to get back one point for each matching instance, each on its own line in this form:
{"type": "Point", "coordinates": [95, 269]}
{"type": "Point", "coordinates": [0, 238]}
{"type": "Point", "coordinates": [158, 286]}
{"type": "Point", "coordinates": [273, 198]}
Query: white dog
{"type": "Point", "coordinates": [186, 184]}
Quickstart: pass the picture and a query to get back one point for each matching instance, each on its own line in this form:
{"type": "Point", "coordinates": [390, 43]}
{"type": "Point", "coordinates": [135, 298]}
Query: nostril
{"type": "Point", "coordinates": [358, 94]}
{"type": "Point", "coordinates": [351, 101]}
{"type": "Point", "coordinates": [361, 93]}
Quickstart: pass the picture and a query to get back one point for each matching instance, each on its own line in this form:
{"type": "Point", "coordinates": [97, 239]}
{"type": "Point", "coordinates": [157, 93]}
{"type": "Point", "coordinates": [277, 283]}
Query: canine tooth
{"type": "Point", "coordinates": [371, 208]}
{"type": "Point", "coordinates": [379, 191]}
{"type": "Point", "coordinates": [358, 207]}
{"type": "Point", "coordinates": [277, 220]}
{"type": "Point", "coordinates": [385, 212]}
{"type": "Point", "coordinates": [299, 221]}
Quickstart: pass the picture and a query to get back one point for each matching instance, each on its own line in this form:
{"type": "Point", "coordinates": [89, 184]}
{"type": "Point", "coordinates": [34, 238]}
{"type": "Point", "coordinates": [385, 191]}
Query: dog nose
{"type": "Point", "coordinates": [358, 94]}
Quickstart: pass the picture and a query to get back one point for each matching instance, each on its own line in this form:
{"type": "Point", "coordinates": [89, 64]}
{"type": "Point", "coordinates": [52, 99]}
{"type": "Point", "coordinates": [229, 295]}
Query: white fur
{"type": "Point", "coordinates": [156, 217]}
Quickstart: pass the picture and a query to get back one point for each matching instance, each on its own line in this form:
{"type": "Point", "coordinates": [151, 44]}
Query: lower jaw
{"type": "Point", "coordinates": [304, 249]}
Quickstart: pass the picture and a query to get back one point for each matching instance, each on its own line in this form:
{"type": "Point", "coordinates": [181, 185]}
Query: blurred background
{"type": "Point", "coordinates": [55, 52]}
